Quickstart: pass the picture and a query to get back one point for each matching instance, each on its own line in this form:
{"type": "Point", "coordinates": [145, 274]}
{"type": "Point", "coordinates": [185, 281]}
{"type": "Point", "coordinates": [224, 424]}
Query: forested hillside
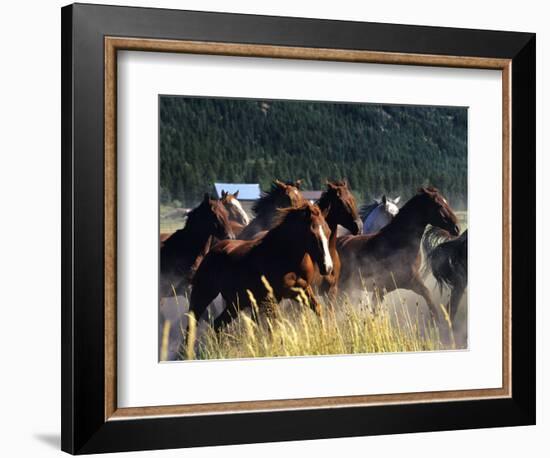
{"type": "Point", "coordinates": [378, 148]}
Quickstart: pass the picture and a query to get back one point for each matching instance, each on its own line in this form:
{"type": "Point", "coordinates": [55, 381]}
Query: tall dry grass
{"type": "Point", "coordinates": [346, 327]}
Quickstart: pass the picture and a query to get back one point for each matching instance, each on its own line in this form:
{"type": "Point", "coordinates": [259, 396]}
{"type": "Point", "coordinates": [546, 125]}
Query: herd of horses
{"type": "Point", "coordinates": [294, 249]}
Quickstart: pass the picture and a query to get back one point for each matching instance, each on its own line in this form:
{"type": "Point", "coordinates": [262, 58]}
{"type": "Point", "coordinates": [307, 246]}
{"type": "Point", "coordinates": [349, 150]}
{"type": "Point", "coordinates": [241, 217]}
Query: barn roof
{"type": "Point", "coordinates": [247, 191]}
{"type": "Point", "coordinates": [312, 195]}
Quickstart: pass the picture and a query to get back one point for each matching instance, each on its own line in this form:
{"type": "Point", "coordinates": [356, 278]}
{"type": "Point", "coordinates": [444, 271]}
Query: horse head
{"type": "Point", "coordinates": [234, 207]}
{"type": "Point", "coordinates": [437, 211]}
{"type": "Point", "coordinates": [287, 194]}
{"type": "Point", "coordinates": [339, 207]}
{"type": "Point", "coordinates": [307, 225]}
{"type": "Point", "coordinates": [379, 214]}
{"type": "Point", "coordinates": [390, 205]}
{"type": "Point", "coordinates": [214, 218]}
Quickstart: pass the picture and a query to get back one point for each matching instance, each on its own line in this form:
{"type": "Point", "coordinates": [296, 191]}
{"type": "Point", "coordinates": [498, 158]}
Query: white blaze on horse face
{"type": "Point", "coordinates": [391, 208]}
{"type": "Point", "coordinates": [241, 211]}
{"type": "Point", "coordinates": [327, 259]}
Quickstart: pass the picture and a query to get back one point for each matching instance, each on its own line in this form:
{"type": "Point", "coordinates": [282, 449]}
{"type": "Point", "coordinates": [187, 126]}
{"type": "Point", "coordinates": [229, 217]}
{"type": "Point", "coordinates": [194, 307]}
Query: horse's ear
{"type": "Point", "coordinates": [236, 194]}
{"type": "Point", "coordinates": [224, 194]}
{"type": "Point", "coordinates": [279, 183]}
{"type": "Point", "coordinates": [384, 199]}
{"type": "Point", "coordinates": [331, 185]}
{"type": "Point", "coordinates": [396, 200]}
{"type": "Point", "coordinates": [429, 190]}
{"type": "Point", "coordinates": [298, 183]}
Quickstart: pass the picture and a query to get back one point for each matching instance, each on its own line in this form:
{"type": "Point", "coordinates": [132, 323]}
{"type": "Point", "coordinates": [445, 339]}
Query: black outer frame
{"type": "Point", "coordinates": [84, 429]}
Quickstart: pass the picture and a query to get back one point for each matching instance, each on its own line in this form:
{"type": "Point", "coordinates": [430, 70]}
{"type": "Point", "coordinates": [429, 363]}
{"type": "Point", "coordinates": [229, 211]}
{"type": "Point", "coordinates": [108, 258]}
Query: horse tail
{"type": "Point", "coordinates": [433, 237]}
{"type": "Point", "coordinates": [445, 257]}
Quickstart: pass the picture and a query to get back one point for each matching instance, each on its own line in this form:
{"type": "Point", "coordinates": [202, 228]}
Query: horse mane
{"type": "Point", "coordinates": [194, 214]}
{"type": "Point", "coordinates": [322, 202]}
{"type": "Point", "coordinates": [285, 215]}
{"type": "Point", "coordinates": [267, 200]}
{"type": "Point", "coordinates": [332, 186]}
{"type": "Point", "coordinates": [428, 191]}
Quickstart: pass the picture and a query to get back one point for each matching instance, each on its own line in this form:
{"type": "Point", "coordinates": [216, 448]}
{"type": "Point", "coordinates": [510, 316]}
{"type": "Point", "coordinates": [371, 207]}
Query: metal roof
{"type": "Point", "coordinates": [312, 195]}
{"type": "Point", "coordinates": [247, 191]}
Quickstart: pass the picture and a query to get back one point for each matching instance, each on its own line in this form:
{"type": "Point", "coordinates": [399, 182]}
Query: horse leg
{"type": "Point", "coordinates": [329, 288]}
{"type": "Point", "coordinates": [201, 297]}
{"type": "Point", "coordinates": [332, 293]}
{"type": "Point", "coordinates": [182, 288]}
{"type": "Point", "coordinates": [314, 304]}
{"type": "Point", "coordinates": [226, 317]}
{"type": "Point", "coordinates": [418, 286]}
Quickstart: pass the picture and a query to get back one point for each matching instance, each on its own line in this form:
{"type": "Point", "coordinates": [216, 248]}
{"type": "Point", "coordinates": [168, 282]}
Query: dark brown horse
{"type": "Point", "coordinates": [448, 262]}
{"type": "Point", "coordinates": [391, 258]}
{"type": "Point", "coordinates": [238, 218]}
{"type": "Point", "coordinates": [182, 252]}
{"type": "Point", "coordinates": [339, 209]}
{"type": "Point", "coordinates": [281, 195]}
{"type": "Point", "coordinates": [235, 268]}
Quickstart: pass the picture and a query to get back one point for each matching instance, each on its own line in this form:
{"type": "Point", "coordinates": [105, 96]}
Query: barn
{"type": "Point", "coordinates": [312, 196]}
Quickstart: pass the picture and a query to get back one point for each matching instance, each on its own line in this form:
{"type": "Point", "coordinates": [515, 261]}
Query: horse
{"type": "Point", "coordinates": [238, 218]}
{"type": "Point", "coordinates": [235, 268]}
{"type": "Point", "coordinates": [378, 214]}
{"type": "Point", "coordinates": [339, 208]}
{"type": "Point", "coordinates": [448, 261]}
{"type": "Point", "coordinates": [281, 195]}
{"type": "Point", "coordinates": [391, 258]}
{"type": "Point", "coordinates": [183, 251]}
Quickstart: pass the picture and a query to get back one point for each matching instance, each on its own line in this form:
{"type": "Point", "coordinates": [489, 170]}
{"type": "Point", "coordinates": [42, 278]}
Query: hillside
{"type": "Point", "coordinates": [378, 148]}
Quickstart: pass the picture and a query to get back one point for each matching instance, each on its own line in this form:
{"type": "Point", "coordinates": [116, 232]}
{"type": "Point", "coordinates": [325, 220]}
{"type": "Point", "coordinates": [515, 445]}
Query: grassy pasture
{"type": "Point", "coordinates": [401, 323]}
{"type": "Point", "coordinates": [349, 330]}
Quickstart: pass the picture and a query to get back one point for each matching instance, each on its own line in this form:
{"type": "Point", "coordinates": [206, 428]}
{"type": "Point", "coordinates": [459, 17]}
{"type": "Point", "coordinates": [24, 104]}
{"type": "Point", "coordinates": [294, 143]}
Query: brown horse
{"type": "Point", "coordinates": [391, 258]}
{"type": "Point", "coordinates": [238, 218]}
{"type": "Point", "coordinates": [183, 251]}
{"type": "Point", "coordinates": [281, 195]}
{"type": "Point", "coordinates": [235, 268]}
{"type": "Point", "coordinates": [339, 208]}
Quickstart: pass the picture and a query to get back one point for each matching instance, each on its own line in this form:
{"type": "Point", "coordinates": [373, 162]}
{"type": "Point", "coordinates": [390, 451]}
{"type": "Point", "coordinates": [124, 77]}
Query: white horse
{"type": "Point", "coordinates": [378, 214]}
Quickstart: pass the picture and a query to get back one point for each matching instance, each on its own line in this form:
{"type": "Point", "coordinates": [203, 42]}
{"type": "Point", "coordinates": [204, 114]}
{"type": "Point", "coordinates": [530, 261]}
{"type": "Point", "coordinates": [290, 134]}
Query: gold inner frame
{"type": "Point", "coordinates": [114, 44]}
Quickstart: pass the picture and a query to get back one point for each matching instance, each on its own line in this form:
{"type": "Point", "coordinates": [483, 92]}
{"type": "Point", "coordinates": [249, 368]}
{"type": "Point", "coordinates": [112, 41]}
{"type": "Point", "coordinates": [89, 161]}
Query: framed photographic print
{"type": "Point", "coordinates": [282, 228]}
